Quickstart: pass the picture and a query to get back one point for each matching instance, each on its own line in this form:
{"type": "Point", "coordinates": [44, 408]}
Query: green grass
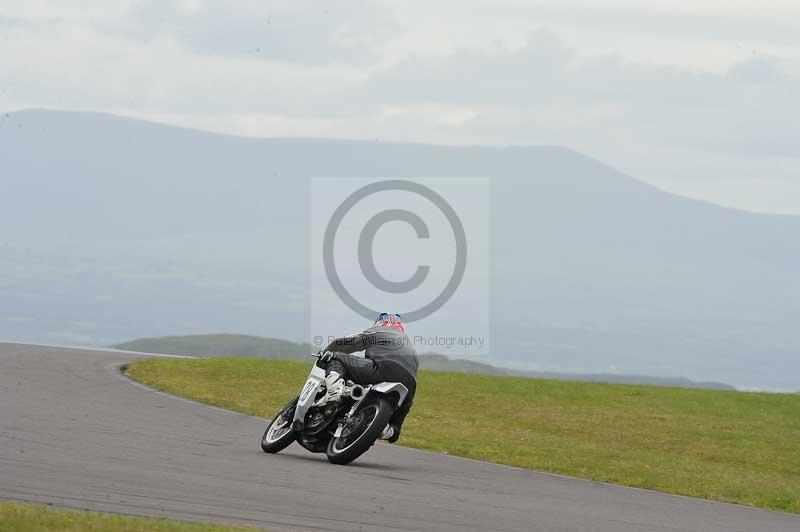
{"type": "Point", "coordinates": [728, 446]}
{"type": "Point", "coordinates": [35, 518]}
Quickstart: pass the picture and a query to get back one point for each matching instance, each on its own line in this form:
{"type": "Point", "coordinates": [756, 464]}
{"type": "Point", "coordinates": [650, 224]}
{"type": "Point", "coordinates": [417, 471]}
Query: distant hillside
{"type": "Point", "coordinates": [220, 345]}
{"type": "Point", "coordinates": [243, 345]}
{"type": "Point", "coordinates": [151, 230]}
{"type": "Point", "coordinates": [443, 363]}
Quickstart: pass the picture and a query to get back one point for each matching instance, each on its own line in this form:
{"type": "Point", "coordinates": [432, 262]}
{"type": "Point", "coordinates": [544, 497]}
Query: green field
{"type": "Point", "coordinates": [35, 518]}
{"type": "Point", "coordinates": [728, 446]}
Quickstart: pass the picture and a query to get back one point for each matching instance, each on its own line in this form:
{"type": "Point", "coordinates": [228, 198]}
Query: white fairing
{"type": "Point", "coordinates": [309, 391]}
{"type": "Point", "coordinates": [392, 387]}
{"type": "Point", "coordinates": [317, 372]}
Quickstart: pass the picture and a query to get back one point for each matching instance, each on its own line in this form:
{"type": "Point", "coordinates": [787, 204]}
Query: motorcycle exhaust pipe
{"type": "Point", "coordinates": [357, 391]}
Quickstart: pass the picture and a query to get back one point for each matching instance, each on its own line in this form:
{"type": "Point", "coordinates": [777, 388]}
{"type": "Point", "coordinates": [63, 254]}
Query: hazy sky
{"type": "Point", "coordinates": [700, 98]}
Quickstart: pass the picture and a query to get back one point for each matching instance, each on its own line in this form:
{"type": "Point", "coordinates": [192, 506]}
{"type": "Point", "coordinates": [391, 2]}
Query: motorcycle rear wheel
{"type": "Point", "coordinates": [366, 426]}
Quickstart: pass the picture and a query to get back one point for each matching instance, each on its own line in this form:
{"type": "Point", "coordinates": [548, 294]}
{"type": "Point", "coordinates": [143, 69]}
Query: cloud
{"type": "Point", "coordinates": [661, 91]}
{"type": "Point", "coordinates": [301, 31]}
{"type": "Point", "coordinates": [510, 77]}
{"type": "Point", "coordinates": [757, 69]}
{"type": "Point", "coordinates": [546, 82]}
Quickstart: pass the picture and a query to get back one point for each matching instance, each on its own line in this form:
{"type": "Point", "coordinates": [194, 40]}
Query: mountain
{"type": "Point", "coordinates": [113, 228]}
{"type": "Point", "coordinates": [272, 348]}
{"type": "Point", "coordinates": [437, 362]}
{"type": "Point", "coordinates": [221, 345]}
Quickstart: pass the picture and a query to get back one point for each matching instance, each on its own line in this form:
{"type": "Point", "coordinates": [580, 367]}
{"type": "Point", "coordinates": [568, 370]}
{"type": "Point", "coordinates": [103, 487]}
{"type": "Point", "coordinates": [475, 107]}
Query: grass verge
{"type": "Point", "coordinates": [728, 446]}
{"type": "Point", "coordinates": [16, 517]}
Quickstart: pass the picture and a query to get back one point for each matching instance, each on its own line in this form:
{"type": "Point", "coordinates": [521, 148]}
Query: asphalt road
{"type": "Point", "coordinates": [75, 432]}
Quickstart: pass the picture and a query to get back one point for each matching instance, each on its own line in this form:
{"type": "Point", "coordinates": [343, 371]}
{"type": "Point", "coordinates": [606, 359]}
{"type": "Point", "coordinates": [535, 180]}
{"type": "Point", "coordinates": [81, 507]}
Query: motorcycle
{"type": "Point", "coordinates": [344, 429]}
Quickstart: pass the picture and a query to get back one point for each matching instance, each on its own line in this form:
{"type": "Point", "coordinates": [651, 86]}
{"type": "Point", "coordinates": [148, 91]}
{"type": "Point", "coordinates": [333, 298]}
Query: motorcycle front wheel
{"type": "Point", "coordinates": [279, 434]}
{"type": "Point", "coordinates": [361, 431]}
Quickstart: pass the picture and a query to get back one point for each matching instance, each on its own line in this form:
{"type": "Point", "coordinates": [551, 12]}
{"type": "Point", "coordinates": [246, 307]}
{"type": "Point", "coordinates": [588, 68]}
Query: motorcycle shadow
{"type": "Point", "coordinates": [320, 459]}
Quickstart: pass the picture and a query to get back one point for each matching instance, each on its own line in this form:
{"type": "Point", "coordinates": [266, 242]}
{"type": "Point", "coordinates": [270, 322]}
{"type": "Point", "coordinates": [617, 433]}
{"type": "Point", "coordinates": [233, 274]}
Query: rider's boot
{"type": "Point", "coordinates": [392, 431]}
{"type": "Point", "coordinates": [389, 433]}
{"type": "Point", "coordinates": [334, 386]}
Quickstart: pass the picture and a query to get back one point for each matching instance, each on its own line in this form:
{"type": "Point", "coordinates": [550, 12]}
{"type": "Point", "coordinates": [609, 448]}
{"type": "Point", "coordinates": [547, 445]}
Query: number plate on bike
{"type": "Point", "coordinates": [308, 389]}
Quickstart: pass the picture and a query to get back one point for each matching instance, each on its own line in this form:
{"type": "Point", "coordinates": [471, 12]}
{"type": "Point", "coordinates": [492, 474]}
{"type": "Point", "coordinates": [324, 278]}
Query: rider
{"type": "Point", "coordinates": [389, 356]}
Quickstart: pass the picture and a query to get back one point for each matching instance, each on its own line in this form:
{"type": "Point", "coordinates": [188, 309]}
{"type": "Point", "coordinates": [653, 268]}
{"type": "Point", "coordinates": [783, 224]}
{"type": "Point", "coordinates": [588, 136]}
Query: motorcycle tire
{"type": "Point", "coordinates": [279, 434]}
{"type": "Point", "coordinates": [369, 421]}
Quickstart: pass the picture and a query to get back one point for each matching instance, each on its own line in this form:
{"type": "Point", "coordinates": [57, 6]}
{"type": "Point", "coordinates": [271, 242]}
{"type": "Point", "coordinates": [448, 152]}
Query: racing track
{"type": "Point", "coordinates": [75, 432]}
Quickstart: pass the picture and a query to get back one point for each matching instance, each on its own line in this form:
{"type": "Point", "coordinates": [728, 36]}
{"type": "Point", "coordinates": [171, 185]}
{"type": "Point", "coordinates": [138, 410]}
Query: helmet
{"type": "Point", "coordinates": [386, 319]}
